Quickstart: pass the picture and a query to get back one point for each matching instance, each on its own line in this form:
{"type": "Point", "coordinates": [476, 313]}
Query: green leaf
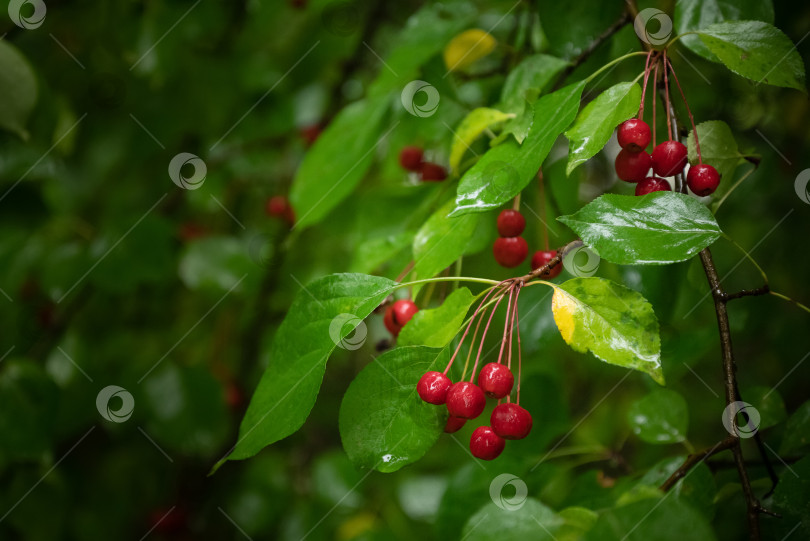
{"type": "Point", "coordinates": [658, 228]}
{"type": "Point", "coordinates": [384, 425]}
{"type": "Point", "coordinates": [505, 170]}
{"type": "Point", "coordinates": [790, 499]}
{"type": "Point", "coordinates": [522, 87]}
{"type": "Point", "coordinates": [28, 408]}
{"type": "Point", "coordinates": [756, 50]}
{"type": "Point", "coordinates": [571, 26]}
{"type": "Point", "coordinates": [613, 322]}
{"type": "Point", "coordinates": [691, 15]}
{"type": "Point", "coordinates": [18, 89]}
{"type": "Point", "coordinates": [217, 264]}
{"type": "Point", "coordinates": [303, 343]}
{"type": "Point", "coordinates": [436, 328]}
{"type": "Point", "coordinates": [532, 520]}
{"type": "Point", "coordinates": [662, 519]}
{"type": "Point", "coordinates": [768, 403]}
{"type": "Point", "coordinates": [374, 252]}
{"type": "Point", "coordinates": [441, 240]}
{"type": "Point", "coordinates": [596, 122]}
{"type": "Point", "coordinates": [423, 36]}
{"type": "Point", "coordinates": [660, 417]}
{"type": "Point", "coordinates": [797, 431]}
{"type": "Point", "coordinates": [718, 148]}
{"type": "Point", "coordinates": [473, 125]}
{"type": "Point", "coordinates": [338, 160]}
{"type": "Point", "coordinates": [697, 488]}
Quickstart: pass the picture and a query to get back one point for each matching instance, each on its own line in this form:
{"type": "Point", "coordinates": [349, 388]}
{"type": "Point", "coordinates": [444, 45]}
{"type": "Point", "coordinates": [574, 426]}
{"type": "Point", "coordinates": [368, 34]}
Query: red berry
{"type": "Point", "coordinates": [542, 257]}
{"type": "Point", "coordinates": [310, 133]}
{"type": "Point", "coordinates": [510, 251]}
{"type": "Point", "coordinates": [652, 184]}
{"type": "Point", "coordinates": [496, 380]}
{"type": "Point", "coordinates": [432, 172]}
{"type": "Point", "coordinates": [511, 422]}
{"type": "Point", "coordinates": [454, 424]}
{"type": "Point", "coordinates": [277, 206]}
{"type": "Point", "coordinates": [669, 158]}
{"type": "Point", "coordinates": [432, 387]}
{"type": "Point", "coordinates": [465, 400]}
{"type": "Point", "coordinates": [511, 223]}
{"type": "Point", "coordinates": [189, 231]}
{"type": "Point", "coordinates": [634, 135]}
{"type": "Point", "coordinates": [410, 158]}
{"type": "Point", "coordinates": [398, 314]}
{"type": "Point", "coordinates": [234, 397]}
{"type": "Point", "coordinates": [632, 166]}
{"type": "Point", "coordinates": [486, 444]}
{"type": "Point", "coordinates": [702, 179]}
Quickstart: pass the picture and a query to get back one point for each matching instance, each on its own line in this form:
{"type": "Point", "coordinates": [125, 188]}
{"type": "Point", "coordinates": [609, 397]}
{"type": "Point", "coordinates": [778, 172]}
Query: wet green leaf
{"type": "Point", "coordinates": [436, 327]}
{"type": "Point", "coordinates": [660, 417]}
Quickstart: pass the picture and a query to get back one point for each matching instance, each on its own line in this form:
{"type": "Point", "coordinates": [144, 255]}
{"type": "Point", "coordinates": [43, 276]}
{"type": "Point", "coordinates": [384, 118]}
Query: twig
{"type": "Point", "coordinates": [764, 290]}
{"type": "Point", "coordinates": [696, 458]}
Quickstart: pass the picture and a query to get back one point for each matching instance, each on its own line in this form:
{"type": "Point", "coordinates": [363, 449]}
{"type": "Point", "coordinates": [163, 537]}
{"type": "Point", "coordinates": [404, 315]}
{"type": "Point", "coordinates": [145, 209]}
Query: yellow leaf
{"type": "Point", "coordinates": [467, 47]}
{"type": "Point", "coordinates": [563, 308]}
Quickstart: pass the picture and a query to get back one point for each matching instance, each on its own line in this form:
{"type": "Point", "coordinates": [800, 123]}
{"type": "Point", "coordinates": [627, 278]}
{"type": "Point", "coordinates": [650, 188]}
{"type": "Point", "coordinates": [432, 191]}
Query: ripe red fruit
{"type": "Point", "coordinates": [702, 179]}
{"type": "Point", "coordinates": [511, 422]}
{"type": "Point", "coordinates": [454, 424]}
{"type": "Point", "coordinates": [410, 158]}
{"type": "Point", "coordinates": [277, 206]}
{"type": "Point", "coordinates": [398, 314]}
{"type": "Point", "coordinates": [496, 380]}
{"type": "Point", "coordinates": [510, 251]}
{"type": "Point", "coordinates": [310, 133]}
{"type": "Point", "coordinates": [652, 184]}
{"type": "Point", "coordinates": [465, 400]}
{"type": "Point", "coordinates": [234, 397]}
{"type": "Point", "coordinates": [432, 387]}
{"type": "Point", "coordinates": [669, 158]}
{"type": "Point", "coordinates": [511, 223]}
{"type": "Point", "coordinates": [486, 444]}
{"type": "Point", "coordinates": [634, 135]}
{"type": "Point", "coordinates": [432, 172]}
{"type": "Point", "coordinates": [189, 231]}
{"type": "Point", "coordinates": [632, 166]}
{"type": "Point", "coordinates": [540, 258]}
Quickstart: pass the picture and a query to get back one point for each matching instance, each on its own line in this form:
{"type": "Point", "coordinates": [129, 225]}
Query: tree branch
{"type": "Point", "coordinates": [696, 458]}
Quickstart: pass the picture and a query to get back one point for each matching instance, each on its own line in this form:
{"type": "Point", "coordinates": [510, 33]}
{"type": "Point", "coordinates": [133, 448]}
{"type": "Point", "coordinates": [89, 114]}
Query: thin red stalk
{"type": "Point", "coordinates": [484, 336]}
{"type": "Point", "coordinates": [644, 87]}
{"type": "Point", "coordinates": [520, 359]}
{"type": "Point", "coordinates": [467, 330]}
{"type": "Point", "coordinates": [669, 102]}
{"type": "Point", "coordinates": [655, 93]}
{"type": "Point", "coordinates": [688, 111]}
{"type": "Point", "coordinates": [543, 218]}
{"type": "Point", "coordinates": [506, 323]}
{"type": "Point", "coordinates": [511, 332]}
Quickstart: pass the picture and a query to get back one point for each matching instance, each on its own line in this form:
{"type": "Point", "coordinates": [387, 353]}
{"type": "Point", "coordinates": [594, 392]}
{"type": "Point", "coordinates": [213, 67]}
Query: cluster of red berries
{"type": "Point", "coordinates": [510, 249]}
{"type": "Point", "coordinates": [398, 314]}
{"type": "Point", "coordinates": [467, 400]}
{"type": "Point", "coordinates": [411, 158]}
{"type": "Point", "coordinates": [279, 207]}
{"type": "Point", "coordinates": [668, 158]}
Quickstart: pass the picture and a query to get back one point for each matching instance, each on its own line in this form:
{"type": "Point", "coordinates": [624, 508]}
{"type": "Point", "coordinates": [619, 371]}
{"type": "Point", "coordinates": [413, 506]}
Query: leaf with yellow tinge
{"type": "Point", "coordinates": [613, 322]}
{"type": "Point", "coordinates": [467, 47]}
{"type": "Point", "coordinates": [470, 128]}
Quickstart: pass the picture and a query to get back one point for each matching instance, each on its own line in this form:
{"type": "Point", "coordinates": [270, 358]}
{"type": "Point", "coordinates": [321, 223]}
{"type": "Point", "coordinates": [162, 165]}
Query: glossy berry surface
{"type": "Point", "coordinates": [540, 258]}
{"type": "Point", "coordinates": [669, 158]}
{"type": "Point", "coordinates": [454, 424]}
{"type": "Point", "coordinates": [432, 387]}
{"type": "Point", "coordinates": [410, 158]}
{"type": "Point", "coordinates": [511, 421]}
{"type": "Point", "coordinates": [634, 135]}
{"type": "Point", "coordinates": [652, 184]}
{"type": "Point", "coordinates": [398, 314]}
{"type": "Point", "coordinates": [431, 172]}
{"type": "Point", "coordinates": [511, 223]}
{"type": "Point", "coordinates": [465, 400]}
{"type": "Point", "coordinates": [632, 166]}
{"type": "Point", "coordinates": [486, 444]}
{"type": "Point", "coordinates": [496, 380]}
{"type": "Point", "coordinates": [702, 179]}
{"type": "Point", "coordinates": [510, 251]}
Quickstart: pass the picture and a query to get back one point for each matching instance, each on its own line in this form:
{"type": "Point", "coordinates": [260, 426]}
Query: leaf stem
{"type": "Point", "coordinates": [748, 257]}
{"type": "Point", "coordinates": [785, 297]}
{"type": "Point", "coordinates": [593, 75]}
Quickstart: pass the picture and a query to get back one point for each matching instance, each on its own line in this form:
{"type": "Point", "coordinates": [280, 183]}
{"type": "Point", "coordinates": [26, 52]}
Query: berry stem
{"type": "Point", "coordinates": [520, 360]}
{"type": "Point", "coordinates": [484, 335]}
{"type": "Point", "coordinates": [516, 203]}
{"type": "Point", "coordinates": [644, 86]}
{"type": "Point", "coordinates": [506, 324]}
{"type": "Point", "coordinates": [655, 92]}
{"type": "Point", "coordinates": [688, 111]}
{"type": "Point", "coordinates": [668, 103]}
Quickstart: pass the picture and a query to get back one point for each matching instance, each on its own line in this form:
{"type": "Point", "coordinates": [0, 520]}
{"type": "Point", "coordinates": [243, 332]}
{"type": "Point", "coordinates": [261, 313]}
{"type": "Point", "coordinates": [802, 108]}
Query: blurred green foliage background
{"type": "Point", "coordinates": [113, 275]}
